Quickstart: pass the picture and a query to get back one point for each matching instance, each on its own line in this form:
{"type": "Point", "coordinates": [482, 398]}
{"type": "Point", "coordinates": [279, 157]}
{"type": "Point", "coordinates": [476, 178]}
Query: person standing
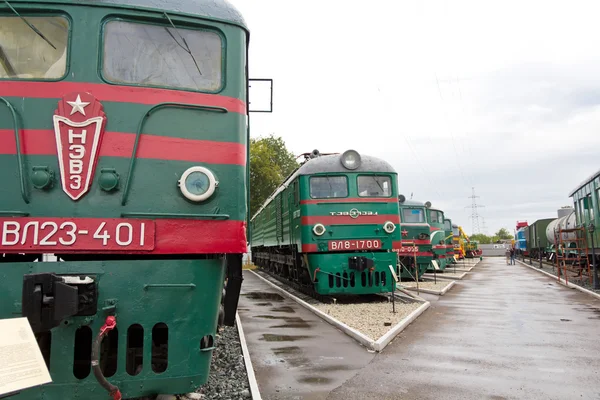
{"type": "Point", "coordinates": [507, 253]}
{"type": "Point", "coordinates": [512, 256]}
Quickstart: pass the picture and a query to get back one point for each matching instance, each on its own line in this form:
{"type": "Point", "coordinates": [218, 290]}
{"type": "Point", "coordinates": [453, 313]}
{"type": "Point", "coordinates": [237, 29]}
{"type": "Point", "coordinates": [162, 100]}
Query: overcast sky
{"type": "Point", "coordinates": [503, 96]}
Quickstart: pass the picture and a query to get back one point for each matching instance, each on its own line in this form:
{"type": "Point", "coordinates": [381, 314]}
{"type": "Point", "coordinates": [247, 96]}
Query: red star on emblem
{"type": "Point", "coordinates": [404, 232]}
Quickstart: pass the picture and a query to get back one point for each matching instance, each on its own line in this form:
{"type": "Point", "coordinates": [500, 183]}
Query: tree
{"type": "Point", "coordinates": [481, 238]}
{"type": "Point", "coordinates": [270, 164]}
{"type": "Point", "coordinates": [503, 233]}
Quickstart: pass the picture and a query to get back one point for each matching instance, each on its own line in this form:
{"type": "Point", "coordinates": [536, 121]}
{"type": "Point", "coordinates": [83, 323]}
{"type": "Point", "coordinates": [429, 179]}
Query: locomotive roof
{"type": "Point", "coordinates": [331, 164]}
{"type": "Point", "coordinates": [585, 182]}
{"type": "Point", "coordinates": [412, 203]}
{"type": "Point", "coordinates": [219, 10]}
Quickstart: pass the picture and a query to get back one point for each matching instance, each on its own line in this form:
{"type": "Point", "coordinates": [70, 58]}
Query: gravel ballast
{"type": "Point", "coordinates": [371, 319]}
{"type": "Point", "coordinates": [228, 379]}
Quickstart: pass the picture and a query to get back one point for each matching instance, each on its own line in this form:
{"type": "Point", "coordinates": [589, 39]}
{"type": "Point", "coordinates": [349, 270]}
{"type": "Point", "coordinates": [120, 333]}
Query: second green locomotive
{"type": "Point", "coordinates": [331, 226]}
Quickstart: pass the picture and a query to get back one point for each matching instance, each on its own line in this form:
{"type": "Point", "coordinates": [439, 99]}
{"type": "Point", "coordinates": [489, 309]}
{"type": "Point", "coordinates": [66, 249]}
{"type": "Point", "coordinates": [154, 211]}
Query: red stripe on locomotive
{"type": "Point", "coordinates": [118, 144]}
{"type": "Point", "coordinates": [120, 93]}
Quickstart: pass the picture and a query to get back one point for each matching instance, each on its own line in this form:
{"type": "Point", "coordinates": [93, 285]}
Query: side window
{"type": "Point", "coordinates": [590, 208]}
{"type": "Point", "coordinates": [26, 55]}
{"type": "Point", "coordinates": [155, 55]}
{"type": "Point", "coordinates": [433, 217]}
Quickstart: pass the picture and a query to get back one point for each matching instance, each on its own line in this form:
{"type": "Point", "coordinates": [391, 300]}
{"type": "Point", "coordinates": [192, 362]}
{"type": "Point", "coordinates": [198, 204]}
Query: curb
{"type": "Point", "coordinates": [439, 293]}
{"type": "Point", "coordinates": [254, 391]}
{"type": "Point", "coordinates": [400, 326]}
{"type": "Point", "coordinates": [562, 281]}
{"type": "Point", "coordinates": [441, 276]}
{"type": "Point", "coordinates": [353, 333]}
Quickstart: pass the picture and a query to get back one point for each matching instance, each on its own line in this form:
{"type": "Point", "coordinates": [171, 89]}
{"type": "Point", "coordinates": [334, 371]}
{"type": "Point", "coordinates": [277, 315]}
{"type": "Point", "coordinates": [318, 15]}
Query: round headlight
{"type": "Point", "coordinates": [389, 227]}
{"type": "Point", "coordinates": [198, 183]}
{"type": "Point", "coordinates": [319, 229]}
{"type": "Point", "coordinates": [350, 159]}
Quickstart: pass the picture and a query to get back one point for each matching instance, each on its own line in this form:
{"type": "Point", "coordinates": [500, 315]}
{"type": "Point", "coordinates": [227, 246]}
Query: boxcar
{"type": "Point", "coordinates": [123, 151]}
{"type": "Point", "coordinates": [331, 225]}
{"type": "Point", "coordinates": [586, 200]}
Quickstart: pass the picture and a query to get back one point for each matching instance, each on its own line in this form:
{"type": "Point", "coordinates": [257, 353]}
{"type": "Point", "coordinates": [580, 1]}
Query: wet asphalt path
{"type": "Point", "coordinates": [295, 354]}
{"type": "Point", "coordinates": [503, 332]}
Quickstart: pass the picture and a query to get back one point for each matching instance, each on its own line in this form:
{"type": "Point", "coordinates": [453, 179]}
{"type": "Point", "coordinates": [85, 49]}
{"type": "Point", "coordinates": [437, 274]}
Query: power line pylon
{"type": "Point", "coordinates": [474, 214]}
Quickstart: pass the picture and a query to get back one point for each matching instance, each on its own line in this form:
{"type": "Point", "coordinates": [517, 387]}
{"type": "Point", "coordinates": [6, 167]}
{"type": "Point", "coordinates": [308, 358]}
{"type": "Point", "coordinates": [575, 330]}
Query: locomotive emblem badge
{"type": "Point", "coordinates": [79, 124]}
{"type": "Point", "coordinates": [353, 213]}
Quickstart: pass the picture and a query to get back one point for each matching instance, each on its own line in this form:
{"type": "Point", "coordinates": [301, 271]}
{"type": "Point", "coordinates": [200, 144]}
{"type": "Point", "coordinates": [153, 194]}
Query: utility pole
{"type": "Point", "coordinates": [483, 226]}
{"type": "Point", "coordinates": [474, 214]}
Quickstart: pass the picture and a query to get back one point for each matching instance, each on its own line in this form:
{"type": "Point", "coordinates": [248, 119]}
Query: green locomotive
{"type": "Point", "coordinates": [330, 227]}
{"type": "Point", "coordinates": [416, 241]}
{"type": "Point", "coordinates": [435, 218]}
{"type": "Point", "coordinates": [448, 240]}
{"type": "Point", "coordinates": [123, 152]}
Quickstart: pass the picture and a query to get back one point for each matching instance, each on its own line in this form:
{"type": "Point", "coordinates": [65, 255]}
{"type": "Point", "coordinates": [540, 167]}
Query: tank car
{"type": "Point", "coordinates": [330, 227]}
{"type": "Point", "coordinates": [414, 249]}
{"type": "Point", "coordinates": [123, 151]}
{"type": "Point", "coordinates": [567, 221]}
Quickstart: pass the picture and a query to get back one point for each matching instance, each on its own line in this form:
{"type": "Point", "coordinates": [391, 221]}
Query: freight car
{"type": "Point", "coordinates": [123, 151]}
{"type": "Point", "coordinates": [414, 252]}
{"type": "Point", "coordinates": [330, 227]}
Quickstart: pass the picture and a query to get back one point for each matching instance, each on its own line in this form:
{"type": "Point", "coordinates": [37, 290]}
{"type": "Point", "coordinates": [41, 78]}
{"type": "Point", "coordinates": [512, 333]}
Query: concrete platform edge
{"type": "Point", "coordinates": [254, 391]}
{"type": "Point", "coordinates": [400, 326]}
{"type": "Point", "coordinates": [353, 333]}
{"type": "Point", "coordinates": [441, 276]}
{"type": "Point", "coordinates": [562, 281]}
{"type": "Point", "coordinates": [436, 292]}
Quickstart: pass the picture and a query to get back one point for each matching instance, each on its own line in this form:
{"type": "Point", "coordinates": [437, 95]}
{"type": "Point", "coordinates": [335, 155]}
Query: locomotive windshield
{"type": "Point", "coordinates": [324, 187]}
{"type": "Point", "coordinates": [156, 55]}
{"type": "Point", "coordinates": [25, 54]}
{"type": "Point", "coordinates": [413, 215]}
{"type": "Point", "coordinates": [374, 186]}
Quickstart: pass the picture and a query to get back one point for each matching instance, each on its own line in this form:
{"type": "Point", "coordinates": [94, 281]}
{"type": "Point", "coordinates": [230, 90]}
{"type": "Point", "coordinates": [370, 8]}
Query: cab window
{"type": "Point", "coordinates": [433, 217]}
{"type": "Point", "coordinates": [447, 225]}
{"type": "Point", "coordinates": [325, 187]}
{"type": "Point", "coordinates": [374, 186]}
{"type": "Point", "coordinates": [153, 55]}
{"type": "Point", "coordinates": [413, 215]}
{"type": "Point", "coordinates": [24, 54]}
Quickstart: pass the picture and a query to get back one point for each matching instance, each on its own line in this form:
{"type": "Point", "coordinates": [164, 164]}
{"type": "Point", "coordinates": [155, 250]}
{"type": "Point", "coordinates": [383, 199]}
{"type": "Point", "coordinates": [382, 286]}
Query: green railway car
{"type": "Point", "coordinates": [124, 153]}
{"type": "Point", "coordinates": [330, 227]}
{"type": "Point", "coordinates": [586, 201]}
{"type": "Point", "coordinates": [415, 241]}
{"type": "Point", "coordinates": [536, 240]}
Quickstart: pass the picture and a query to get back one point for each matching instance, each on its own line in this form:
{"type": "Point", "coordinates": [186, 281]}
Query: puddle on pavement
{"type": "Point", "coordinates": [290, 322]}
{"type": "Point", "coordinates": [287, 350]}
{"type": "Point", "coordinates": [283, 309]}
{"type": "Point", "coordinates": [269, 337]}
{"type": "Point", "coordinates": [331, 368]}
{"type": "Point", "coordinates": [264, 296]}
{"type": "Point", "coordinates": [264, 304]}
{"type": "Point", "coordinates": [315, 379]}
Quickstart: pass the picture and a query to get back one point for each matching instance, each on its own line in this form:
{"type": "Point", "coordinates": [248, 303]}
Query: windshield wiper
{"type": "Point", "coordinates": [36, 30]}
{"type": "Point", "coordinates": [8, 67]}
{"type": "Point", "coordinates": [186, 48]}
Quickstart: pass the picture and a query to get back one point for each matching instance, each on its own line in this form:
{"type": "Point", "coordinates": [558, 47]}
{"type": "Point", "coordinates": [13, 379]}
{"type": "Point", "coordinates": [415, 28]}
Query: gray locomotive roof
{"type": "Point", "coordinates": [412, 203]}
{"type": "Point", "coordinates": [331, 164]}
{"type": "Point", "coordinates": [585, 182]}
{"type": "Point", "coordinates": [220, 10]}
